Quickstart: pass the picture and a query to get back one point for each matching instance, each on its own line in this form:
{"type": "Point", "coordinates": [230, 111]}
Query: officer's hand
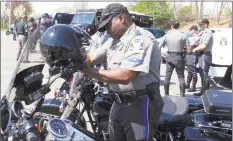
{"type": "Point", "coordinates": [194, 50]}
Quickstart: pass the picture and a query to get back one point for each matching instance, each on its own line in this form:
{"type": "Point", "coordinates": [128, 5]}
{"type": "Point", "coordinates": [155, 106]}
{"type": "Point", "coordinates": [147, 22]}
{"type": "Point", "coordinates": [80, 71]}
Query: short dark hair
{"type": "Point", "coordinates": [204, 21]}
{"type": "Point", "coordinates": [175, 24]}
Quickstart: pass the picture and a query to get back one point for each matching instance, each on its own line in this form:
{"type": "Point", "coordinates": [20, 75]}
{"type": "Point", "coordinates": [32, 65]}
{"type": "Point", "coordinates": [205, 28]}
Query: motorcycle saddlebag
{"type": "Point", "coordinates": [217, 102]}
{"type": "Point", "coordinates": [195, 134]}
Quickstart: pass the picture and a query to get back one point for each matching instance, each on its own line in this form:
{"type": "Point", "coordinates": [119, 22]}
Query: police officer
{"type": "Point", "coordinates": [21, 34]}
{"type": "Point", "coordinates": [45, 22]}
{"type": "Point", "coordinates": [175, 42]}
{"type": "Point", "coordinates": [192, 59]}
{"type": "Point", "coordinates": [132, 75]}
{"type": "Point", "coordinates": [31, 28]}
{"type": "Point", "coordinates": [205, 59]}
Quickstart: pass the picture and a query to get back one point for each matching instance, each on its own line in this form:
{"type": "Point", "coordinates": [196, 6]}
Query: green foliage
{"type": "Point", "coordinates": [162, 11]}
{"type": "Point", "coordinates": [28, 6]}
{"type": "Point", "coordinates": [227, 12]}
{"type": "Point", "coordinates": [186, 14]}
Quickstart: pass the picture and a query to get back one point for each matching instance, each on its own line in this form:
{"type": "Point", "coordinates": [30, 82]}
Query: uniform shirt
{"type": "Point", "coordinates": [137, 50]}
{"type": "Point", "coordinates": [99, 38]}
{"type": "Point", "coordinates": [192, 42]}
{"type": "Point", "coordinates": [31, 24]}
{"type": "Point", "coordinates": [20, 27]}
{"type": "Point", "coordinates": [206, 37]}
{"type": "Point", "coordinates": [175, 41]}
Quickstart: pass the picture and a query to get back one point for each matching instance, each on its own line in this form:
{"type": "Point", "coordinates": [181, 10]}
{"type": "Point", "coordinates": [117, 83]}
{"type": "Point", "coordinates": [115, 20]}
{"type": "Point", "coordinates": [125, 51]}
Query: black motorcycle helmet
{"type": "Point", "coordinates": [61, 42]}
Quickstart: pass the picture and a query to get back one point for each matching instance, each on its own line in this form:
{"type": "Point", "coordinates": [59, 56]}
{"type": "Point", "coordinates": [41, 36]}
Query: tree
{"type": "Point", "coordinates": [12, 5]}
{"type": "Point", "coordinates": [161, 11]}
{"type": "Point", "coordinates": [20, 11]}
{"type": "Point", "coordinates": [185, 14]}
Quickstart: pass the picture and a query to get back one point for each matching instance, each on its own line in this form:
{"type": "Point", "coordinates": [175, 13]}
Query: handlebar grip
{"type": "Point", "coordinates": [31, 136]}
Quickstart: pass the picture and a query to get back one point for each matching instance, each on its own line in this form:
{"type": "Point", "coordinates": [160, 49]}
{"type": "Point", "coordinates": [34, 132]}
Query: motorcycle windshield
{"type": "Point", "coordinates": [22, 69]}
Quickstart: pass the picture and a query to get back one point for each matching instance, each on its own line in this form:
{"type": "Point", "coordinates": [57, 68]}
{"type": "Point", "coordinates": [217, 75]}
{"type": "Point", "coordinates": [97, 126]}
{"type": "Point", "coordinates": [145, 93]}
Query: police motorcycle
{"type": "Point", "coordinates": [26, 89]}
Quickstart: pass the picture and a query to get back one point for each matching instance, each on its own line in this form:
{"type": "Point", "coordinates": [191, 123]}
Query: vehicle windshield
{"type": "Point", "coordinates": [83, 18]}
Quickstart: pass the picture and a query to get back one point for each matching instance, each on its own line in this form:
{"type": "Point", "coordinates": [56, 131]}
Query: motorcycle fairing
{"type": "Point", "coordinates": [22, 74]}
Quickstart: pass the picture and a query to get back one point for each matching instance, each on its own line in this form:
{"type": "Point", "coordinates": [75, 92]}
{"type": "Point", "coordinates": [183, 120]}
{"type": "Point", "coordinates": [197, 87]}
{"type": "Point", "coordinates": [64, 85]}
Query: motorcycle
{"type": "Point", "coordinates": [25, 89]}
{"type": "Point", "coordinates": [182, 118]}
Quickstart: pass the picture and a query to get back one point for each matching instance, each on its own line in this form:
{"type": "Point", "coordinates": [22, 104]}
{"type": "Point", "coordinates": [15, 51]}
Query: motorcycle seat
{"type": "Point", "coordinates": [174, 110]}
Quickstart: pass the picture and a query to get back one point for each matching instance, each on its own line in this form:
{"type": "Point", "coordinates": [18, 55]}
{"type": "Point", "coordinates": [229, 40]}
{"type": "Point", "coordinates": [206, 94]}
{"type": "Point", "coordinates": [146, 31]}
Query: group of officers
{"type": "Point", "coordinates": [190, 50]}
{"type": "Point", "coordinates": [132, 55]}
{"type": "Point", "coordinates": [24, 30]}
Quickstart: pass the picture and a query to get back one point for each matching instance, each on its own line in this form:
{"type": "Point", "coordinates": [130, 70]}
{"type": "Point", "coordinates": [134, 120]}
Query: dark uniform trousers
{"type": "Point", "coordinates": [136, 120]}
{"type": "Point", "coordinates": [175, 61]}
{"type": "Point", "coordinates": [21, 40]}
{"type": "Point", "coordinates": [191, 61]}
{"type": "Point", "coordinates": [205, 61]}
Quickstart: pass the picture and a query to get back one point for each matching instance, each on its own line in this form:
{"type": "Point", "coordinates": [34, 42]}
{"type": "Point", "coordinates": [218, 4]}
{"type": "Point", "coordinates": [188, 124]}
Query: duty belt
{"type": "Point", "coordinates": [135, 95]}
{"type": "Point", "coordinates": [177, 53]}
{"type": "Point", "coordinates": [191, 53]}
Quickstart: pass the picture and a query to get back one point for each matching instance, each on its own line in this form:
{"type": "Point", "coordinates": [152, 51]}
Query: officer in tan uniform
{"type": "Point", "coordinates": [175, 59]}
{"type": "Point", "coordinates": [205, 49]}
{"type": "Point", "coordinates": [133, 60]}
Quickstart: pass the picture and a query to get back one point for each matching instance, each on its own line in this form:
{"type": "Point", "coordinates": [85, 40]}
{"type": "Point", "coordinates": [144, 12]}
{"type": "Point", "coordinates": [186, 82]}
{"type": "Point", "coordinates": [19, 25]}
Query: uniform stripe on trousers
{"type": "Point", "coordinates": [145, 118]}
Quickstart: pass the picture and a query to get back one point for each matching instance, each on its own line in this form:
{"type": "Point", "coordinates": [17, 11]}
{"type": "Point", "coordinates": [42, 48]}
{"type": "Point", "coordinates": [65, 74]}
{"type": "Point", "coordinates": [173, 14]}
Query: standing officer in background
{"type": "Point", "coordinates": [205, 59]}
{"type": "Point", "coordinates": [175, 42]}
{"type": "Point", "coordinates": [192, 58]}
{"type": "Point", "coordinates": [21, 34]}
{"type": "Point", "coordinates": [31, 28]}
{"type": "Point", "coordinates": [133, 74]}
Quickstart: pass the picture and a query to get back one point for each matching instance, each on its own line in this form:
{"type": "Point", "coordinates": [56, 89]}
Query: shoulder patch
{"type": "Point", "coordinates": [138, 32]}
{"type": "Point", "coordinates": [137, 44]}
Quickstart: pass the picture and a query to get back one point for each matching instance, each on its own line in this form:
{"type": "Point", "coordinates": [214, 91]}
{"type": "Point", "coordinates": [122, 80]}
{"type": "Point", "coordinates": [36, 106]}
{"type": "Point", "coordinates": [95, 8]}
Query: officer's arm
{"type": "Point", "coordinates": [117, 76]}
{"type": "Point", "coordinates": [97, 56]}
{"type": "Point", "coordinates": [162, 42]}
{"type": "Point", "coordinates": [204, 43]}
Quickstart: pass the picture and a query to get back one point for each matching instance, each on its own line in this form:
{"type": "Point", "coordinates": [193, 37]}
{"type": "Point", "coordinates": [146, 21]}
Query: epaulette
{"type": "Point", "coordinates": [138, 32]}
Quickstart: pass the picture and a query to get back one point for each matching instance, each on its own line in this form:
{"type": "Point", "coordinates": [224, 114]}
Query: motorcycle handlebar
{"type": "Point", "coordinates": [54, 78]}
{"type": "Point", "coordinates": [31, 136]}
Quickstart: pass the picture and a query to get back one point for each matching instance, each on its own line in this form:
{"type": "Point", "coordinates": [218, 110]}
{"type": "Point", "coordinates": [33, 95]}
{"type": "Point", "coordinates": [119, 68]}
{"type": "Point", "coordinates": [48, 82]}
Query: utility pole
{"type": "Point", "coordinates": [197, 11]}
{"type": "Point", "coordinates": [10, 15]}
{"type": "Point", "coordinates": [174, 10]}
{"type": "Point", "coordinates": [201, 10]}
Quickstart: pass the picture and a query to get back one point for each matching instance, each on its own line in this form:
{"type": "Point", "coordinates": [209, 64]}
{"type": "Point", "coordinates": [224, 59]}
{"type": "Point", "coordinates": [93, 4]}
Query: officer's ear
{"type": "Point", "coordinates": [121, 18]}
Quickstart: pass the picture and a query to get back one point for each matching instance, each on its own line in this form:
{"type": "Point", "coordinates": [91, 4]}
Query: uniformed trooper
{"type": "Point", "coordinates": [205, 59]}
{"type": "Point", "coordinates": [133, 60]}
{"type": "Point", "coordinates": [21, 34]}
{"type": "Point", "coordinates": [192, 58]}
{"type": "Point", "coordinates": [31, 28]}
{"type": "Point", "coordinates": [175, 59]}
